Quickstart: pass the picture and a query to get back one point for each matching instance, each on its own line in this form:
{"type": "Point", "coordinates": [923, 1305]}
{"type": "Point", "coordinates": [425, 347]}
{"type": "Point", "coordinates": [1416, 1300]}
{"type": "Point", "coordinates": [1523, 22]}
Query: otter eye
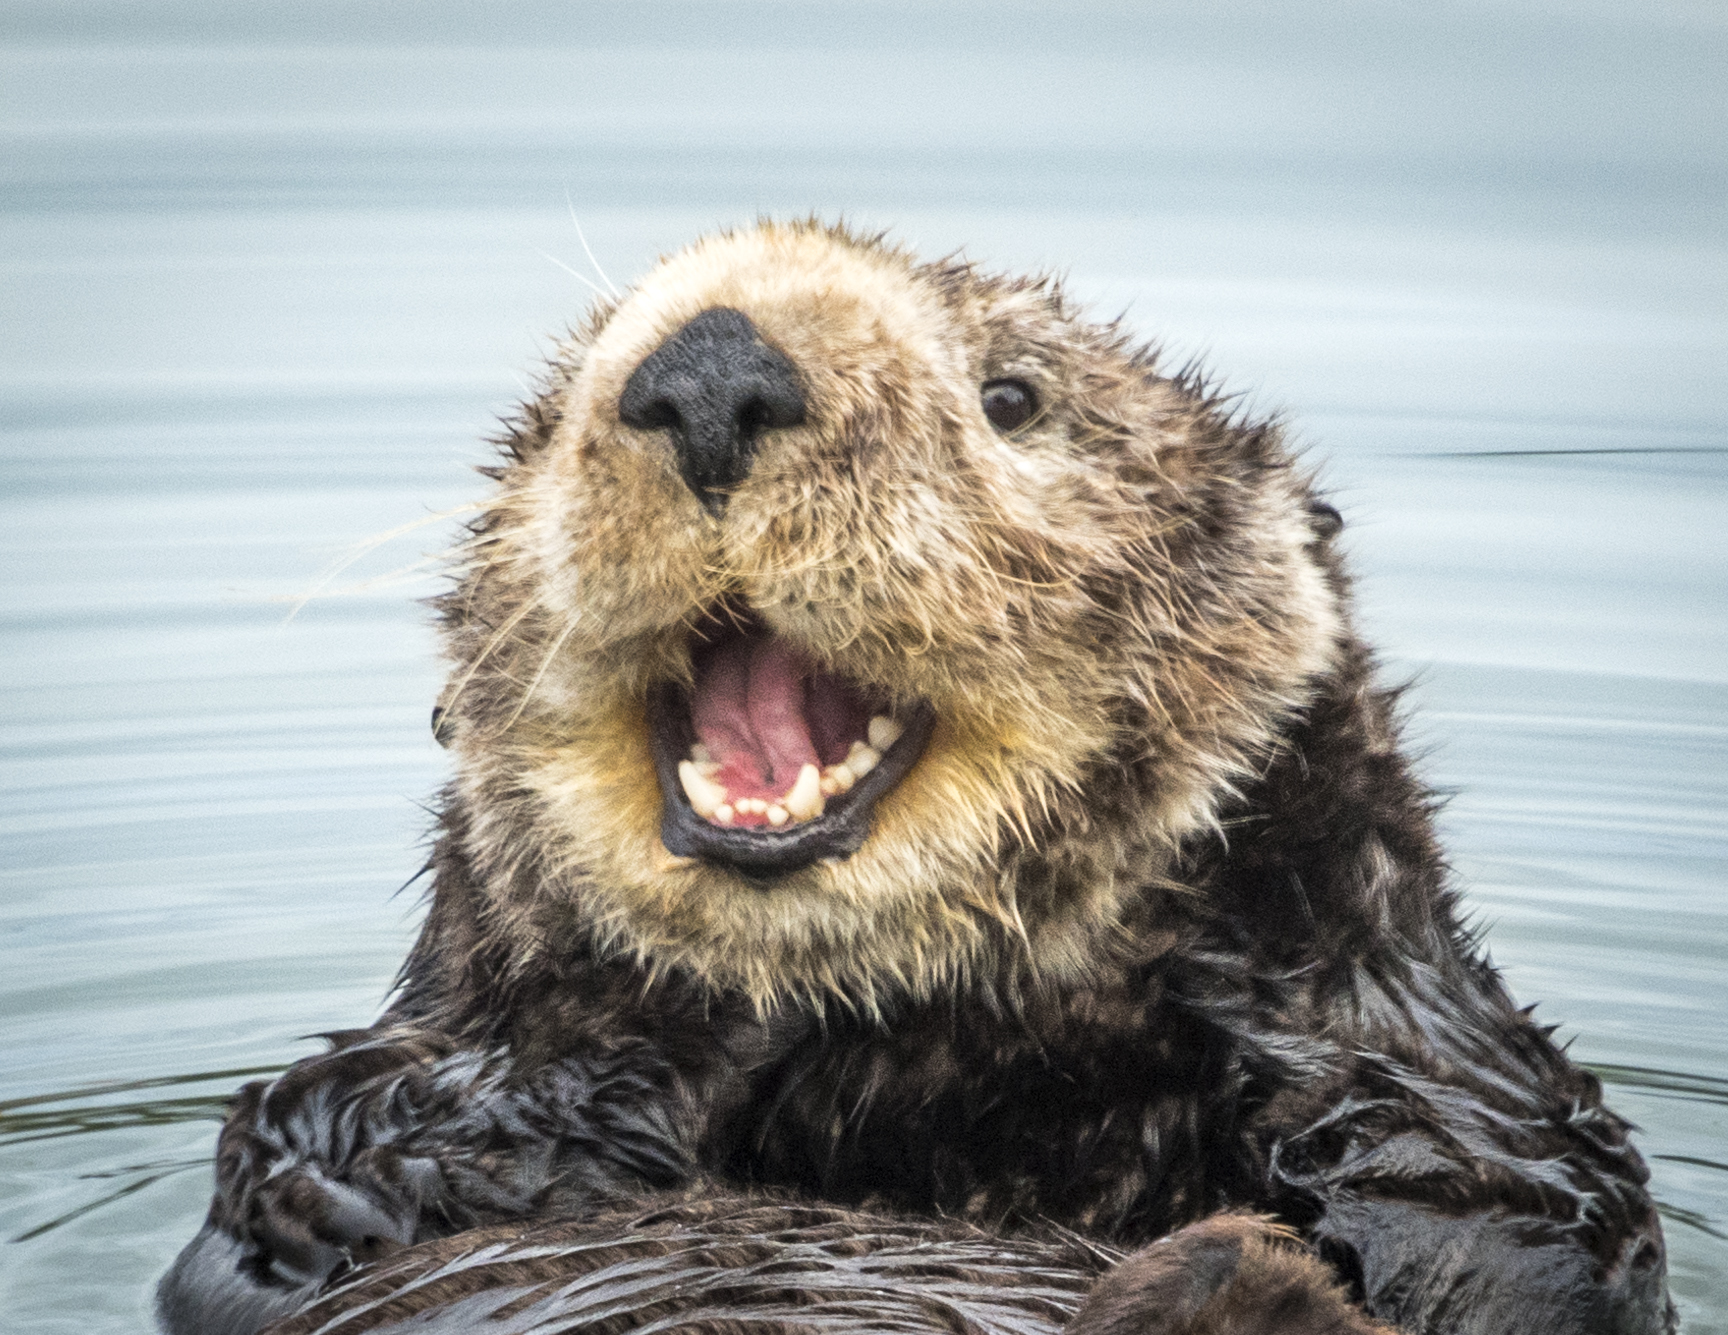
{"type": "Point", "coordinates": [1009, 404]}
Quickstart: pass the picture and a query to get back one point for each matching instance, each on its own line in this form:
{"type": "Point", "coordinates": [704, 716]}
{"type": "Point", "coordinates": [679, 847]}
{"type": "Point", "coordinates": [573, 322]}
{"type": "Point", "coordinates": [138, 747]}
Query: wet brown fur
{"type": "Point", "coordinates": [723, 1266]}
{"type": "Point", "coordinates": [1228, 1275]}
{"type": "Point", "coordinates": [716, 1264]}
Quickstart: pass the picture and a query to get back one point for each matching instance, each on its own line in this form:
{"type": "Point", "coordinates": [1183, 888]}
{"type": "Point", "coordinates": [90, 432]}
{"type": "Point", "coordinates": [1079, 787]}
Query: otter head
{"type": "Point", "coordinates": [845, 625]}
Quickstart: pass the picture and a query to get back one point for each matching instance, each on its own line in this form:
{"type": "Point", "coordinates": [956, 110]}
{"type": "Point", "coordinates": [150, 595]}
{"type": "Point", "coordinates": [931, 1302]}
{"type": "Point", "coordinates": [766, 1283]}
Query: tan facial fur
{"type": "Point", "coordinates": [1111, 609]}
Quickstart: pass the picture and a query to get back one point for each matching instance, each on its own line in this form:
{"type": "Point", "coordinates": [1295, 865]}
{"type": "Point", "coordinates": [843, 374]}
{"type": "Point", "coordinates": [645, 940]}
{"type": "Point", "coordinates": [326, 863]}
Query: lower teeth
{"type": "Point", "coordinates": [804, 801]}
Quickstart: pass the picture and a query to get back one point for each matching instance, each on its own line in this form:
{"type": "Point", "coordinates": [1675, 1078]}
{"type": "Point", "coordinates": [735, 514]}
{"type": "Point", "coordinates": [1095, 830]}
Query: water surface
{"type": "Point", "coordinates": [271, 273]}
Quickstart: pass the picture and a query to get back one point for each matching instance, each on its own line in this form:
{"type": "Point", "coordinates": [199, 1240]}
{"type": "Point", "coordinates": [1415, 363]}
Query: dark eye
{"type": "Point", "coordinates": [1009, 404]}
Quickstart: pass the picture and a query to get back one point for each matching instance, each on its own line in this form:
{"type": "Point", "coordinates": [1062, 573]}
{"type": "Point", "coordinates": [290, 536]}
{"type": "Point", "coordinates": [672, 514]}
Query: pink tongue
{"type": "Point", "coordinates": [748, 710]}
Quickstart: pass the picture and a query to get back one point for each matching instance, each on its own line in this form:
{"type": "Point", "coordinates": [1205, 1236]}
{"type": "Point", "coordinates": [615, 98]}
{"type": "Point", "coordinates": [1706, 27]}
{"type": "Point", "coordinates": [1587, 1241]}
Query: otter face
{"type": "Point", "coordinates": [844, 624]}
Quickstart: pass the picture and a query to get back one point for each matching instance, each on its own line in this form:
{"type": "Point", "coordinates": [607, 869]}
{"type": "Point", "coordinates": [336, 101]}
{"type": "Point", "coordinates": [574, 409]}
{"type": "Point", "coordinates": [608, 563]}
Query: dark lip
{"type": "Point", "coordinates": [837, 833]}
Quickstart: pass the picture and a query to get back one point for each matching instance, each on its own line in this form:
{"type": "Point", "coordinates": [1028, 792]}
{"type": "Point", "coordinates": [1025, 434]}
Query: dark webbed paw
{"type": "Point", "coordinates": [304, 1227]}
{"type": "Point", "coordinates": [1228, 1275]}
{"type": "Point", "coordinates": [399, 1138]}
{"type": "Point", "coordinates": [1512, 1274]}
{"type": "Point", "coordinates": [313, 1173]}
{"type": "Point", "coordinates": [209, 1290]}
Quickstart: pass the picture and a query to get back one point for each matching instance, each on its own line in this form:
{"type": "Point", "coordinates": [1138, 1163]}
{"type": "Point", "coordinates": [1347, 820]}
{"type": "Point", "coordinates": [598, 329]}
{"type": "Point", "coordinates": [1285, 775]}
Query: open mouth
{"type": "Point", "coordinates": [768, 763]}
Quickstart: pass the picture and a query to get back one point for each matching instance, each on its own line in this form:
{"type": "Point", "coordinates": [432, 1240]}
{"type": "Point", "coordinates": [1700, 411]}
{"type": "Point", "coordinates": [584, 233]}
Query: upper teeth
{"type": "Point", "coordinates": [706, 796]}
{"type": "Point", "coordinates": [805, 800]}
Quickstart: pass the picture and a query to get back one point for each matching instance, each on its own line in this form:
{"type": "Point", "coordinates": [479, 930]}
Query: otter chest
{"type": "Point", "coordinates": [1116, 1132]}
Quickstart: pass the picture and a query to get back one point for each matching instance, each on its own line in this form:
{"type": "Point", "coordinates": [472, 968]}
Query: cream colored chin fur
{"type": "Point", "coordinates": [1113, 612]}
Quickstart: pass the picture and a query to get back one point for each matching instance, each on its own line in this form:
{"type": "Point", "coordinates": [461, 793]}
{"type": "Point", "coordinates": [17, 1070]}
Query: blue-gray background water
{"type": "Point", "coordinates": [271, 271]}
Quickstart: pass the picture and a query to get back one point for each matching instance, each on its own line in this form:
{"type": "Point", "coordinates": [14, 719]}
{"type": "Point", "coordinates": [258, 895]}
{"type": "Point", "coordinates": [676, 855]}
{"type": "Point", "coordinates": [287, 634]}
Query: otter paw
{"type": "Point", "coordinates": [301, 1184]}
{"type": "Point", "coordinates": [305, 1228]}
{"type": "Point", "coordinates": [1231, 1274]}
{"type": "Point", "coordinates": [271, 1243]}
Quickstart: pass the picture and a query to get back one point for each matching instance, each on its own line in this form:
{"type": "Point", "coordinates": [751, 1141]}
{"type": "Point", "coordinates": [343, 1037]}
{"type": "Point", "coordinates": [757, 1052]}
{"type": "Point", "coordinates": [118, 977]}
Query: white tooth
{"type": "Point", "coordinates": [723, 813]}
{"type": "Point", "coordinates": [805, 798]}
{"type": "Point", "coordinates": [884, 732]}
{"type": "Point", "coordinates": [701, 754]}
{"type": "Point", "coordinates": [841, 777]}
{"type": "Point", "coordinates": [862, 760]}
{"type": "Point", "coordinates": [777, 815]}
{"type": "Point", "coordinates": [830, 785]}
{"type": "Point", "coordinates": [707, 768]}
{"type": "Point", "coordinates": [752, 806]}
{"type": "Point", "coordinates": [704, 794]}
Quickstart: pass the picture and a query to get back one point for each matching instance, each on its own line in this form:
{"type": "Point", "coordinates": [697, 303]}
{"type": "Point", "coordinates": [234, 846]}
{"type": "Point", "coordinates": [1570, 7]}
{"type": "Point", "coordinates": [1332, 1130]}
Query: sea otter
{"type": "Point", "coordinates": [913, 756]}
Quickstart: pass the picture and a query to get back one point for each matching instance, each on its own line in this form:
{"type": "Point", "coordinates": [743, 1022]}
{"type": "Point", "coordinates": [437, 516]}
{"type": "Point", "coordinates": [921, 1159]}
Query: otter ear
{"type": "Point", "coordinates": [443, 724]}
{"type": "Point", "coordinates": [1326, 522]}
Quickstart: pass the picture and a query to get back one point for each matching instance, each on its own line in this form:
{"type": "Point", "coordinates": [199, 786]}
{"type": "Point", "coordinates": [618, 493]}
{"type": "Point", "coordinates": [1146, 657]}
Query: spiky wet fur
{"type": "Point", "coordinates": [722, 1265]}
{"type": "Point", "coordinates": [1156, 927]}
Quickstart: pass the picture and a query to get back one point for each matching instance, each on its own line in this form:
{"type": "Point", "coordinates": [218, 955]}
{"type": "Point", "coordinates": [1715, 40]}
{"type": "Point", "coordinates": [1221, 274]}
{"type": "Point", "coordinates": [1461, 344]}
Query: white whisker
{"type": "Point", "coordinates": [580, 278]}
{"type": "Point", "coordinates": [570, 204]}
{"type": "Point", "coordinates": [545, 663]}
{"type": "Point", "coordinates": [371, 545]}
{"type": "Point", "coordinates": [389, 578]}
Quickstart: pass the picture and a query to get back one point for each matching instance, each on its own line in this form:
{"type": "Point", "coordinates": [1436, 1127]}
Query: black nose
{"type": "Point", "coordinates": [716, 386]}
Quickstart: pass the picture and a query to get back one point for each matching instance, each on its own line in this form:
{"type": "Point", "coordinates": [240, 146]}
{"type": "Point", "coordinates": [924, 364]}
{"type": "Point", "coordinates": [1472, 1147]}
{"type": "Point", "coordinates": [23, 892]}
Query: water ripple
{"type": "Point", "coordinates": [40, 1117]}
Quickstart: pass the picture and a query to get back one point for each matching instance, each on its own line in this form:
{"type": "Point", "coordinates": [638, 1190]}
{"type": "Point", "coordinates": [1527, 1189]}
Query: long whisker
{"type": "Point", "coordinates": [498, 638]}
{"type": "Point", "coordinates": [568, 203]}
{"type": "Point", "coordinates": [545, 664]}
{"type": "Point", "coordinates": [389, 577]}
{"type": "Point", "coordinates": [372, 544]}
{"type": "Point", "coordinates": [580, 278]}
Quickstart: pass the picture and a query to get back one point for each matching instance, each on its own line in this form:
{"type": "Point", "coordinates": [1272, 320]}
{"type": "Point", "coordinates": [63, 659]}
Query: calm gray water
{"type": "Point", "coordinates": [271, 271]}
